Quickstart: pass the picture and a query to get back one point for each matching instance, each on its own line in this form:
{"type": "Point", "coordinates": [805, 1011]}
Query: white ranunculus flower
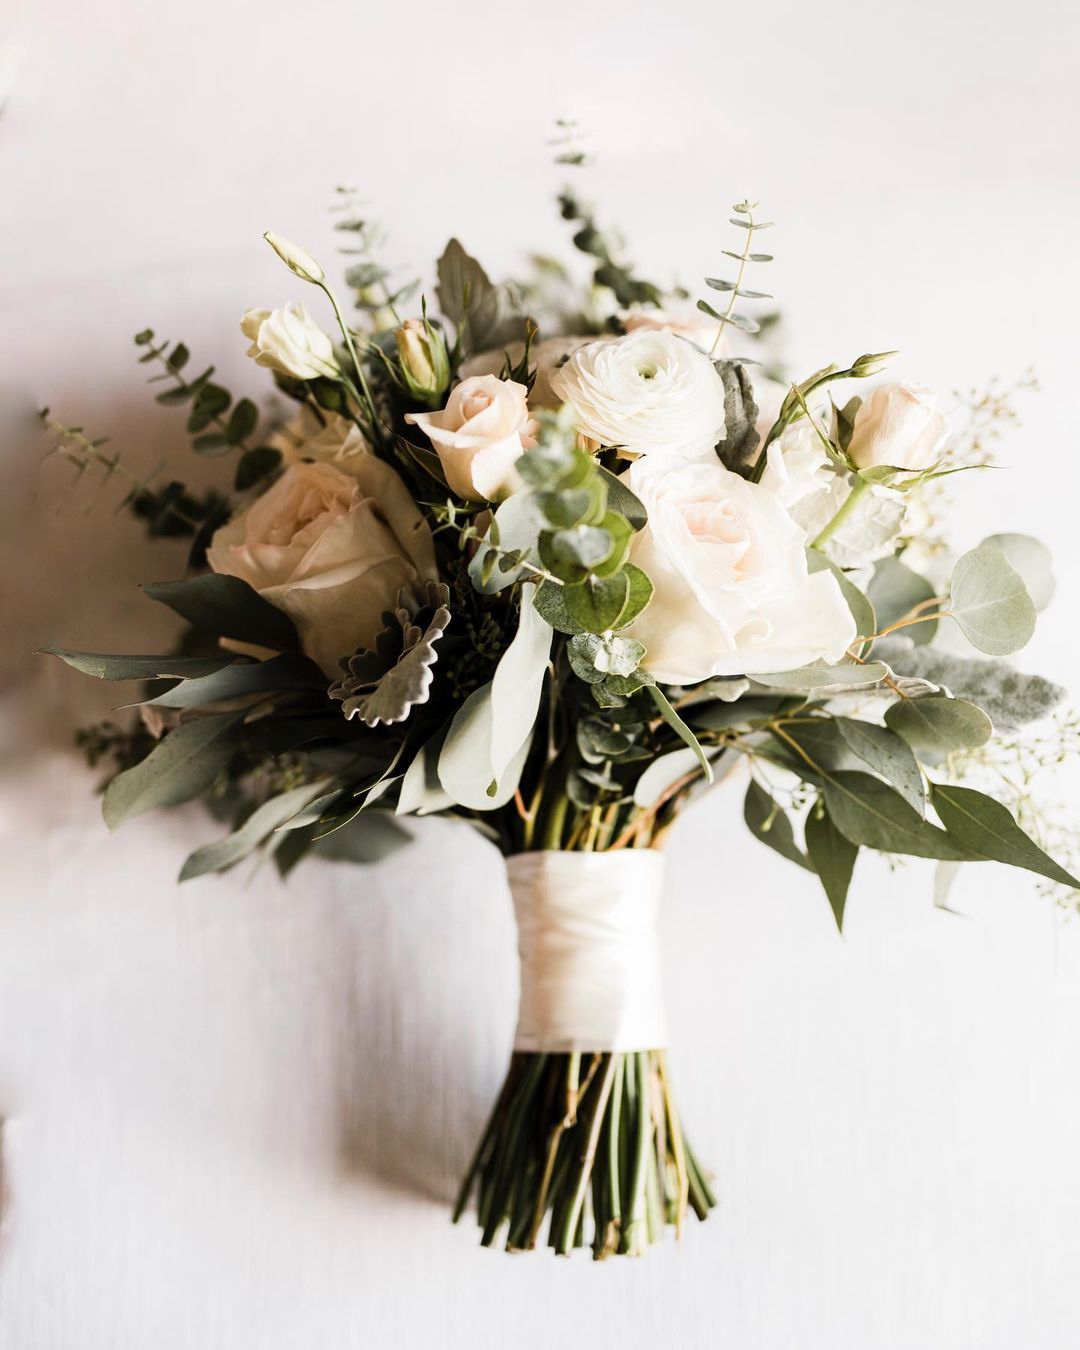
{"type": "Point", "coordinates": [648, 393]}
{"type": "Point", "coordinates": [733, 594]}
{"type": "Point", "coordinates": [812, 490]}
{"type": "Point", "coordinates": [289, 341]}
{"type": "Point", "coordinates": [545, 358]}
{"type": "Point", "coordinates": [323, 437]}
{"type": "Point", "coordinates": [480, 435]}
{"type": "Point", "coordinates": [898, 425]}
{"type": "Point", "coordinates": [332, 550]}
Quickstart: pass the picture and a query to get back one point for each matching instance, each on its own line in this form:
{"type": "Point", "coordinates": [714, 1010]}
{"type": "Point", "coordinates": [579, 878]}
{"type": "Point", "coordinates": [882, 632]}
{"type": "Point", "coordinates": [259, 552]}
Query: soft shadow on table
{"type": "Point", "coordinates": [430, 1014]}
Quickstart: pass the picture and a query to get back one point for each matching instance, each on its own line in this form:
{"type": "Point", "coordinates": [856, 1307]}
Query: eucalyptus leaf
{"type": "Point", "coordinates": [768, 823]}
{"type": "Point", "coordinates": [243, 679]}
{"type": "Point", "coordinates": [227, 607]}
{"type": "Point", "coordinates": [987, 828]}
{"type": "Point", "coordinates": [639, 593]}
{"type": "Point", "coordinates": [368, 838]}
{"type": "Point", "coordinates": [989, 601]}
{"type": "Point", "coordinates": [895, 590]}
{"type": "Point", "coordinates": [263, 821]}
{"type": "Point", "coordinates": [515, 528]}
{"type": "Point", "coordinates": [675, 722]}
{"type": "Point", "coordinates": [123, 667]}
{"type": "Point", "coordinates": [939, 724]}
{"type": "Point", "coordinates": [597, 603]}
{"type": "Point", "coordinates": [1032, 560]}
{"type": "Point", "coordinates": [832, 857]}
{"type": "Point", "coordinates": [181, 766]}
{"type": "Point", "coordinates": [825, 679]}
{"type": "Point", "coordinates": [621, 499]}
{"type": "Point", "coordinates": [867, 811]}
{"type": "Point", "coordinates": [888, 755]}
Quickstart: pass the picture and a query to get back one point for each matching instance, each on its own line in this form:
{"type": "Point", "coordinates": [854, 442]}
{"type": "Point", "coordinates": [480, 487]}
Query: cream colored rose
{"type": "Point", "coordinates": [289, 341]}
{"type": "Point", "coordinates": [332, 550]}
{"type": "Point", "coordinates": [732, 592]}
{"type": "Point", "coordinates": [480, 435]}
{"type": "Point", "coordinates": [649, 393]}
{"type": "Point", "coordinates": [900, 426]}
{"type": "Point", "coordinates": [323, 437]}
{"type": "Point", "coordinates": [812, 490]}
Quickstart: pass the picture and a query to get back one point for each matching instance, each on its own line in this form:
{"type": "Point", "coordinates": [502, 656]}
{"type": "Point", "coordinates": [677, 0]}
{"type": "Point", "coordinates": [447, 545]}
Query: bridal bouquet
{"type": "Point", "coordinates": [551, 563]}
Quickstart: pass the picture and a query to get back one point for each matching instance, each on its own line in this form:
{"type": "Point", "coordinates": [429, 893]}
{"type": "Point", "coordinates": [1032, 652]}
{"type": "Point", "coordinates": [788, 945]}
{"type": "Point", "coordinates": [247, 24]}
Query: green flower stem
{"type": "Point", "coordinates": [361, 377]}
{"type": "Point", "coordinates": [858, 489]}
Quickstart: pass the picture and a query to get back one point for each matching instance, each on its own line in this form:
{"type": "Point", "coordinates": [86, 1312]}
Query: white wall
{"type": "Point", "coordinates": [235, 1111]}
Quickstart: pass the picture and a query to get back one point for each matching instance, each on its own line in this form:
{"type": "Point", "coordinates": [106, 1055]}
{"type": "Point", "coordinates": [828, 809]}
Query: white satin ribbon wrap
{"type": "Point", "coordinates": [590, 970]}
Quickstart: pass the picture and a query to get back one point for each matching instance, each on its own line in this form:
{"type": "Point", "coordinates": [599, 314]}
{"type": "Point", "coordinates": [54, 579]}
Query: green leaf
{"type": "Point", "coordinates": [987, 828]}
{"type": "Point", "coordinates": [894, 590]}
{"type": "Point", "coordinates": [242, 421]}
{"type": "Point", "coordinates": [939, 724]}
{"type": "Point", "coordinates": [622, 500]}
{"type": "Point", "coordinates": [210, 402]}
{"type": "Point", "coordinates": [584, 546]}
{"type": "Point", "coordinates": [262, 822]}
{"type": "Point", "coordinates": [740, 415]}
{"type": "Point", "coordinates": [123, 667]}
{"type": "Point", "coordinates": [1010, 698]}
{"type": "Point", "coordinates": [990, 602]}
{"type": "Point", "coordinates": [825, 679]}
{"type": "Point", "coordinates": [638, 596]}
{"type": "Point", "coordinates": [369, 838]}
{"type": "Point", "coordinates": [888, 755]}
{"type": "Point", "coordinates": [867, 811]}
{"type": "Point", "coordinates": [1032, 560]}
{"type": "Point", "coordinates": [211, 443]}
{"type": "Point", "coordinates": [620, 532]}
{"type": "Point", "coordinates": [832, 857]}
{"type": "Point", "coordinates": [771, 825]}
{"type": "Point", "coordinates": [466, 296]}
{"type": "Point", "coordinates": [675, 722]}
{"type": "Point", "coordinates": [178, 357]}
{"type": "Point", "coordinates": [550, 604]}
{"type": "Point", "coordinates": [227, 607]}
{"type": "Point", "coordinates": [241, 679]}
{"type": "Point", "coordinates": [255, 465]}
{"type": "Point", "coordinates": [180, 767]}
{"type": "Point", "coordinates": [596, 604]}
{"type": "Point", "coordinates": [515, 527]}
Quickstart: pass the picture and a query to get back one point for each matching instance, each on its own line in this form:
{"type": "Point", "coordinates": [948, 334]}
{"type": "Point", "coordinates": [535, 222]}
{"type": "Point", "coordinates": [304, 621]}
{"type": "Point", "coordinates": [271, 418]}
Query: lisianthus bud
{"type": "Point", "coordinates": [425, 365]}
{"type": "Point", "coordinates": [871, 363]}
{"type": "Point", "coordinates": [289, 341]}
{"type": "Point", "coordinates": [295, 258]}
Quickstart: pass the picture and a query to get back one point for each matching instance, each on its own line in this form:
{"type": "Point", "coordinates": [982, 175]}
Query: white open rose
{"type": "Point", "coordinates": [812, 491]}
{"type": "Point", "coordinates": [480, 435]}
{"type": "Point", "coordinates": [898, 425]}
{"type": "Point", "coordinates": [732, 592]}
{"type": "Point", "coordinates": [648, 393]}
{"type": "Point", "coordinates": [289, 341]}
{"type": "Point", "coordinates": [332, 550]}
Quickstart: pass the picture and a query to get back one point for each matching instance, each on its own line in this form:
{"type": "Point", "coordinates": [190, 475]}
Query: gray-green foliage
{"type": "Point", "coordinates": [483, 314]}
{"type": "Point", "coordinates": [988, 599]}
{"type": "Point", "coordinates": [180, 768]}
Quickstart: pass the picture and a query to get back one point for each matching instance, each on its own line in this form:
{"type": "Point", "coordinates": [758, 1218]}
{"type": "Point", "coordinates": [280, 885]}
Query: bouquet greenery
{"type": "Point", "coordinates": [551, 563]}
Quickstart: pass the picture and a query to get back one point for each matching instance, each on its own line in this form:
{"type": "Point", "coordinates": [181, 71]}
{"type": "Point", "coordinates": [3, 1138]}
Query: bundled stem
{"type": "Point", "coordinates": [592, 1143]}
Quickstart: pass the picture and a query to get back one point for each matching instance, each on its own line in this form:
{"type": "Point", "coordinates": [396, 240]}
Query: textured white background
{"type": "Point", "coordinates": [235, 1112]}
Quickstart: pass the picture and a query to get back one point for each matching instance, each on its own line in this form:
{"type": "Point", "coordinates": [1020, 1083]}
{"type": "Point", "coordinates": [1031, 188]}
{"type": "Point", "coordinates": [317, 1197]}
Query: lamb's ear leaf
{"type": "Point", "coordinates": [980, 823]}
{"type": "Point", "coordinates": [770, 824]}
{"type": "Point", "coordinates": [227, 607]}
{"type": "Point", "coordinates": [180, 767]}
{"type": "Point", "coordinates": [832, 857]}
{"type": "Point", "coordinates": [740, 416]}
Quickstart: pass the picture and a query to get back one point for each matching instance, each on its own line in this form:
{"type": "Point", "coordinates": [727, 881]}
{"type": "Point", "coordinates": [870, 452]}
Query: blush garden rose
{"type": "Point", "coordinates": [333, 550]}
{"type": "Point", "coordinates": [898, 425]}
{"type": "Point", "coordinates": [480, 435]}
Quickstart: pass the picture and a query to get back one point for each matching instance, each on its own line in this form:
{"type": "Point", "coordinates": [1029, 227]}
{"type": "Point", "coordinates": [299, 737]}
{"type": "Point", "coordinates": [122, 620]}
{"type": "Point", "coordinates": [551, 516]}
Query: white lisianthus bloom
{"type": "Point", "coordinates": [898, 425]}
{"type": "Point", "coordinates": [732, 591]}
{"type": "Point", "coordinates": [330, 549]}
{"type": "Point", "coordinates": [812, 490]}
{"type": "Point", "coordinates": [289, 341]}
{"type": "Point", "coordinates": [648, 393]}
{"type": "Point", "coordinates": [480, 435]}
{"type": "Point", "coordinates": [324, 438]}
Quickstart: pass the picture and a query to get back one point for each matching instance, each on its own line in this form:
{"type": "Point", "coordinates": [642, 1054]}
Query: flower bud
{"type": "Point", "coordinates": [871, 363]}
{"type": "Point", "coordinates": [425, 365]}
{"type": "Point", "coordinates": [295, 258]}
{"type": "Point", "coordinates": [289, 341]}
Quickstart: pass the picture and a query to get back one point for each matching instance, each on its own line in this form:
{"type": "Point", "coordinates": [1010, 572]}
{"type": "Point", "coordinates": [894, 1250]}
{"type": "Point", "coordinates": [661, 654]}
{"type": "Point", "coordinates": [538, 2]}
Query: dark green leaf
{"type": "Point", "coordinates": [210, 402]}
{"type": "Point", "coordinates": [180, 767]}
{"type": "Point", "coordinates": [242, 679]}
{"type": "Point", "coordinates": [123, 667]}
{"type": "Point", "coordinates": [551, 606]}
{"type": "Point", "coordinates": [242, 421]}
{"type": "Point", "coordinates": [621, 499]}
{"type": "Point", "coordinates": [255, 465]}
{"type": "Point", "coordinates": [211, 443]}
{"type": "Point", "coordinates": [888, 755]}
{"type": "Point", "coordinates": [832, 858]}
{"type": "Point", "coordinates": [988, 829]}
{"type": "Point", "coordinates": [261, 823]}
{"type": "Point", "coordinates": [767, 822]}
{"type": "Point", "coordinates": [868, 811]}
{"type": "Point", "coordinates": [227, 607]}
